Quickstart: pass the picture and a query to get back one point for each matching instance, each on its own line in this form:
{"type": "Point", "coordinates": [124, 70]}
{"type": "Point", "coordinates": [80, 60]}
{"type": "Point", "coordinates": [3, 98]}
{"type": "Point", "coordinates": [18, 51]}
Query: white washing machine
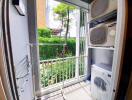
{"type": "Point", "coordinates": [100, 81]}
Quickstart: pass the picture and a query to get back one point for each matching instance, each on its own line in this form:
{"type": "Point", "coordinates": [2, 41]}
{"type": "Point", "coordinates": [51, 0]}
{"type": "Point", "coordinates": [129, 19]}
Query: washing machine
{"type": "Point", "coordinates": [100, 81]}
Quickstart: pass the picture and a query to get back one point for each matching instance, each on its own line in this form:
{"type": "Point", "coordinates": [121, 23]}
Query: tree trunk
{"type": "Point", "coordinates": [67, 26]}
{"type": "Point", "coordinates": [62, 22]}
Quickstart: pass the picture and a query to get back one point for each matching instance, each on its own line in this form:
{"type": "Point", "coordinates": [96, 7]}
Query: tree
{"type": "Point", "coordinates": [63, 11]}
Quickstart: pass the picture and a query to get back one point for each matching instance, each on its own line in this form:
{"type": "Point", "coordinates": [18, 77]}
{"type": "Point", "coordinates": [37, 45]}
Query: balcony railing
{"type": "Point", "coordinates": [58, 63]}
{"type": "Point", "coordinates": [54, 71]}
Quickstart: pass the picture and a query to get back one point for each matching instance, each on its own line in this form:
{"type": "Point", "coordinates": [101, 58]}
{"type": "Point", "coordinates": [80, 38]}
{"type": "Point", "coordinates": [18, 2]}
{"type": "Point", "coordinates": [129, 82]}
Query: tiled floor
{"type": "Point", "coordinates": [80, 91]}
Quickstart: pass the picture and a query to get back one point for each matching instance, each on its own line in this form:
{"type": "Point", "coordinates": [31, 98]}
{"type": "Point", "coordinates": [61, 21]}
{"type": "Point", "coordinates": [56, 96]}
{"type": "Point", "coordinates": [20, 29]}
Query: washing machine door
{"type": "Point", "coordinates": [101, 86]}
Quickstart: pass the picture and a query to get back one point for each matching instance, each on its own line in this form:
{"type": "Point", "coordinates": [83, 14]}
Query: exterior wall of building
{"type": "Point", "coordinates": [41, 13]}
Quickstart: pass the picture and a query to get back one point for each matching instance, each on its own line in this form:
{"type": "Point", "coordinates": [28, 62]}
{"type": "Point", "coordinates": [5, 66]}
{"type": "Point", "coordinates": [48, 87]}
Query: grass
{"type": "Point", "coordinates": [55, 72]}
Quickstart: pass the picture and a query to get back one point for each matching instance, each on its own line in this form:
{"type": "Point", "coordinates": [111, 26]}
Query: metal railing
{"type": "Point", "coordinates": [58, 64]}
{"type": "Point", "coordinates": [54, 71]}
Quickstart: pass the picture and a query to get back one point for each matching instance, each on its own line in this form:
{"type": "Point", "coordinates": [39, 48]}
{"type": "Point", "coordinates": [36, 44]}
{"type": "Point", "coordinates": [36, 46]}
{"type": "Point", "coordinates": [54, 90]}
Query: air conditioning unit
{"type": "Point", "coordinates": [103, 35]}
{"type": "Point", "coordinates": [100, 82]}
{"type": "Point", "coordinates": [99, 8]}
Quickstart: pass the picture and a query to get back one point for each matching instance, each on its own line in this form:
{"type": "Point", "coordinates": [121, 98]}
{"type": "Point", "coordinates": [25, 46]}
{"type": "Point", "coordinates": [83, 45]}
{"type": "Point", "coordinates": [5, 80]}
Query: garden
{"type": "Point", "coordinates": [57, 57]}
{"type": "Point", "coordinates": [58, 52]}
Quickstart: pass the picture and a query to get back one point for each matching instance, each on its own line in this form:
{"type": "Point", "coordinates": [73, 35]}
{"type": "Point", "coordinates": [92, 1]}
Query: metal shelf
{"type": "Point", "coordinates": [106, 48]}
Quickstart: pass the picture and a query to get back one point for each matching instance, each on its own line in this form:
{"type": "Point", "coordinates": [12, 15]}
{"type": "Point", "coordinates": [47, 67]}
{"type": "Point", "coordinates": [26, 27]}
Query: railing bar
{"type": "Point", "coordinates": [66, 71]}
{"type": "Point", "coordinates": [43, 65]}
{"type": "Point", "coordinates": [52, 67]}
{"type": "Point", "coordinates": [70, 62]}
{"type": "Point", "coordinates": [80, 65]}
{"type": "Point", "coordinates": [50, 44]}
{"type": "Point", "coordinates": [48, 66]}
{"type": "Point", "coordinates": [60, 59]}
{"type": "Point", "coordinates": [43, 44]}
{"type": "Point", "coordinates": [61, 72]}
{"type": "Point", "coordinates": [44, 69]}
{"type": "Point", "coordinates": [83, 65]}
{"type": "Point", "coordinates": [51, 72]}
{"type": "Point", "coordinates": [73, 67]}
{"type": "Point", "coordinates": [57, 59]}
{"type": "Point", "coordinates": [69, 69]}
{"type": "Point", "coordinates": [56, 73]}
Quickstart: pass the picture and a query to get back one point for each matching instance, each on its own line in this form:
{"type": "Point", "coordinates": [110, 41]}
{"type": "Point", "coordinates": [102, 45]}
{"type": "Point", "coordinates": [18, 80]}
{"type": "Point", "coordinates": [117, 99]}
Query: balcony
{"type": "Point", "coordinates": [61, 74]}
{"type": "Point", "coordinates": [63, 59]}
{"type": "Point", "coordinates": [78, 91]}
{"type": "Point", "coordinates": [59, 70]}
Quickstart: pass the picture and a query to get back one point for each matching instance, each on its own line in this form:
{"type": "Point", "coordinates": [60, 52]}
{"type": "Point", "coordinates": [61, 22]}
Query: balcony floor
{"type": "Point", "coordinates": [79, 91]}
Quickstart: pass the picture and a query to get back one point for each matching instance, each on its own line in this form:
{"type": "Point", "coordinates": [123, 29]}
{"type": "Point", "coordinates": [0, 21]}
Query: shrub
{"type": "Point", "coordinates": [71, 43]}
{"type": "Point", "coordinates": [57, 72]}
{"type": "Point", "coordinates": [55, 51]}
{"type": "Point", "coordinates": [46, 32]}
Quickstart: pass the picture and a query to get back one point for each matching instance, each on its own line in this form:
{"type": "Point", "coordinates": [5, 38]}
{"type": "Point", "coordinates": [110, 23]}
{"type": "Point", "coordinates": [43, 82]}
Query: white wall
{"type": "Point", "coordinates": [20, 39]}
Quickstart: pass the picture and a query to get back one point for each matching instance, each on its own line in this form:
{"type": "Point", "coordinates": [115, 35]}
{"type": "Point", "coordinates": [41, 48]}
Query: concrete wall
{"type": "Point", "coordinates": [41, 13]}
{"type": "Point", "coordinates": [20, 39]}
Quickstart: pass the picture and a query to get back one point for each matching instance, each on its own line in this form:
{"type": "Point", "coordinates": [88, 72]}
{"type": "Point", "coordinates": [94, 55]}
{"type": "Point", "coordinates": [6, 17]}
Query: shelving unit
{"type": "Point", "coordinates": [110, 55]}
{"type": "Point", "coordinates": [101, 54]}
{"type": "Point", "coordinates": [104, 48]}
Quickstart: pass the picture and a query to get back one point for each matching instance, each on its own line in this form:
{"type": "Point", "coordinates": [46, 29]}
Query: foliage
{"type": "Point", "coordinates": [46, 32]}
{"type": "Point", "coordinates": [61, 70]}
{"type": "Point", "coordinates": [63, 11]}
{"type": "Point", "coordinates": [55, 51]}
{"type": "Point", "coordinates": [57, 72]}
{"type": "Point", "coordinates": [62, 8]}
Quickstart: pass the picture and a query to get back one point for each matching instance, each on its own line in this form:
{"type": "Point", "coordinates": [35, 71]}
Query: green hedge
{"type": "Point", "coordinates": [45, 33]}
{"type": "Point", "coordinates": [55, 51]}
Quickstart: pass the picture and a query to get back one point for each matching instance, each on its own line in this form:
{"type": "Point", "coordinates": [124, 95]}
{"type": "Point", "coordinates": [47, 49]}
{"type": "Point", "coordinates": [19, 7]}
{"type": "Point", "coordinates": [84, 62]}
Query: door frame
{"type": "Point", "coordinates": [122, 18]}
{"type": "Point", "coordinates": [32, 26]}
{"type": "Point", "coordinates": [7, 69]}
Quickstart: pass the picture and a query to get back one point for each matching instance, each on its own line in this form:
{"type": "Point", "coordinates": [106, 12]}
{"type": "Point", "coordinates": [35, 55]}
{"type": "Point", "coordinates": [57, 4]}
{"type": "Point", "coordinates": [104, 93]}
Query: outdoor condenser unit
{"type": "Point", "coordinates": [99, 8]}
